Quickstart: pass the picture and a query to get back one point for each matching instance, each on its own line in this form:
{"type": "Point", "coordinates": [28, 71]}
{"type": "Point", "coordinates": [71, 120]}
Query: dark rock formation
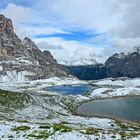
{"type": "Point", "coordinates": [121, 65]}
{"type": "Point", "coordinates": [89, 72]}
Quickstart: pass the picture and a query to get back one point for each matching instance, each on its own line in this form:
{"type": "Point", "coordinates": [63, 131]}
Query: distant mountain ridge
{"type": "Point", "coordinates": [124, 65]}
{"type": "Point", "coordinates": [79, 62]}
{"type": "Point", "coordinates": [118, 65]}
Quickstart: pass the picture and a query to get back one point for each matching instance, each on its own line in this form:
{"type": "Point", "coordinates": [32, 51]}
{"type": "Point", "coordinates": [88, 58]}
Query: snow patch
{"type": "Point", "coordinates": [15, 76]}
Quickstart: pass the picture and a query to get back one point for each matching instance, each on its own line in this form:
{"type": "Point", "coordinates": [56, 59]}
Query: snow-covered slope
{"type": "Point", "coordinates": [48, 115]}
{"type": "Point", "coordinates": [15, 76]}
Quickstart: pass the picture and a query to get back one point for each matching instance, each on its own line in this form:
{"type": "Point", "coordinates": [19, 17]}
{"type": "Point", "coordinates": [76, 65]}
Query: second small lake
{"type": "Point", "coordinates": [125, 108]}
{"type": "Point", "coordinates": [70, 89]}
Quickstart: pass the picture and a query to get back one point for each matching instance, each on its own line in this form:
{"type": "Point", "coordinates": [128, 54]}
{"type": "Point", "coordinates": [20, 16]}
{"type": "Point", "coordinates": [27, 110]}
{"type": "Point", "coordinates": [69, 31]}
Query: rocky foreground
{"type": "Point", "coordinates": [30, 112]}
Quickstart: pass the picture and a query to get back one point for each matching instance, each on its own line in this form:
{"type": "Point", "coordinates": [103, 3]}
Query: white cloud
{"type": "Point", "coordinates": [43, 45]}
{"type": "Point", "coordinates": [125, 44]}
{"type": "Point", "coordinates": [18, 14]}
{"type": "Point", "coordinates": [117, 18]}
{"type": "Point", "coordinates": [72, 50]}
{"type": "Point", "coordinates": [82, 14]}
{"type": "Point", "coordinates": [128, 27]}
{"type": "Point", "coordinates": [126, 35]}
{"type": "Point", "coordinates": [47, 30]}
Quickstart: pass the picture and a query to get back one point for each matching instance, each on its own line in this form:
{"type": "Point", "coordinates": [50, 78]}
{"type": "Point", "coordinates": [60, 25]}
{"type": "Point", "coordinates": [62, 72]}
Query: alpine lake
{"type": "Point", "coordinates": [125, 109]}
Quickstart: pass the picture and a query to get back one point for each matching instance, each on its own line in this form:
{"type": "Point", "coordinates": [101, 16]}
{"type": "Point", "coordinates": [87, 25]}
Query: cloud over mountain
{"type": "Point", "coordinates": [53, 22]}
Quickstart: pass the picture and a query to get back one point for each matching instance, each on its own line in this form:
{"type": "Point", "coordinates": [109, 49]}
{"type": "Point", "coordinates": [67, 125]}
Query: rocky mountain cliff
{"type": "Point", "coordinates": [23, 56]}
{"type": "Point", "coordinates": [128, 65]}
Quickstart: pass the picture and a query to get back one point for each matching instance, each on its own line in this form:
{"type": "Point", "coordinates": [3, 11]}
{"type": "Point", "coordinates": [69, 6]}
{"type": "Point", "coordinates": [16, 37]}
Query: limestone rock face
{"type": "Point", "coordinates": [3, 51]}
{"type": "Point", "coordinates": [8, 39]}
{"type": "Point", "coordinates": [17, 54]}
{"type": "Point", "coordinates": [6, 25]}
{"type": "Point", "coordinates": [9, 25]}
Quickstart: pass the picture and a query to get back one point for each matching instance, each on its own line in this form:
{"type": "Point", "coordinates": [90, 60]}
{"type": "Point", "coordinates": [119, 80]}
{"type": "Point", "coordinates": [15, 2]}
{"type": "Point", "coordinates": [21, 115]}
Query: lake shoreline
{"type": "Point", "coordinates": [105, 116]}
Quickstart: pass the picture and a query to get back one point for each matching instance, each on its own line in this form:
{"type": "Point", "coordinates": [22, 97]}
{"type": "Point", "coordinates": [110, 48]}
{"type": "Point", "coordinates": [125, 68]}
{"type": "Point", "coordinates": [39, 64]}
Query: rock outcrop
{"type": "Point", "coordinates": [121, 65]}
{"type": "Point", "coordinates": [24, 55]}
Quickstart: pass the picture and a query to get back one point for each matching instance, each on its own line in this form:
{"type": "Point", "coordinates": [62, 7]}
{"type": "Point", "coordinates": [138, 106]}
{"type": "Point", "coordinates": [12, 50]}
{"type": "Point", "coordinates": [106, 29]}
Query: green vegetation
{"type": "Point", "coordinates": [21, 128]}
{"type": "Point", "coordinates": [13, 100]}
{"type": "Point", "coordinates": [125, 126]}
{"type": "Point", "coordinates": [91, 131]}
{"type": "Point", "coordinates": [126, 135]}
{"type": "Point", "coordinates": [10, 137]}
{"type": "Point", "coordinates": [44, 127]}
{"type": "Point", "coordinates": [62, 128]}
{"type": "Point", "coordinates": [113, 136]}
{"type": "Point", "coordinates": [123, 135]}
{"type": "Point", "coordinates": [22, 121]}
{"type": "Point", "coordinates": [134, 134]}
{"type": "Point", "coordinates": [46, 132]}
{"type": "Point", "coordinates": [43, 134]}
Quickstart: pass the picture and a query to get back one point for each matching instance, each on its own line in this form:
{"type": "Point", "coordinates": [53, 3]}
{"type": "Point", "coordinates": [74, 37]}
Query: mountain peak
{"type": "Point", "coordinates": [25, 55]}
{"type": "Point", "coordinates": [6, 24]}
{"type": "Point", "coordinates": [27, 39]}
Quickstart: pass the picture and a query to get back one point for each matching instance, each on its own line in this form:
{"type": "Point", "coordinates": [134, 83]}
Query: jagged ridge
{"type": "Point", "coordinates": [121, 65]}
{"type": "Point", "coordinates": [24, 55]}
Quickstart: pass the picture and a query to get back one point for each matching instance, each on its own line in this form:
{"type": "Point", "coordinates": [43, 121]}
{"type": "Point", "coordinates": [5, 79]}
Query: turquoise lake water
{"type": "Point", "coordinates": [127, 108]}
{"type": "Point", "coordinates": [71, 89]}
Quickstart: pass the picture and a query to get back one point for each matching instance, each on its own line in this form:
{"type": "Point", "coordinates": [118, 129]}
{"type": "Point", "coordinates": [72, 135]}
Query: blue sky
{"type": "Point", "coordinates": [78, 35]}
{"type": "Point", "coordinates": [96, 27]}
{"type": "Point", "coordinates": [4, 3]}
